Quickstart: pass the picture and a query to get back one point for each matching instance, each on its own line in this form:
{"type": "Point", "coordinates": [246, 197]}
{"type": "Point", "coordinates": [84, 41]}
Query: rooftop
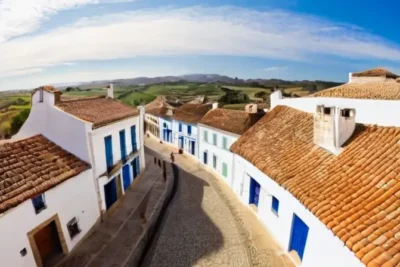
{"type": "Point", "coordinates": [377, 72]}
{"type": "Point", "coordinates": [234, 121]}
{"type": "Point", "coordinates": [355, 194]}
{"type": "Point", "coordinates": [191, 113]}
{"type": "Point", "coordinates": [158, 107]}
{"type": "Point", "coordinates": [32, 166]}
{"type": "Point", "coordinates": [100, 111]}
{"type": "Point", "coordinates": [385, 90]}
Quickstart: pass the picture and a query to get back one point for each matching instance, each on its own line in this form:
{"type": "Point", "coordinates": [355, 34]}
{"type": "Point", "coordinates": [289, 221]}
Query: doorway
{"type": "Point", "coordinates": [298, 238]}
{"type": "Point", "coordinates": [48, 244]}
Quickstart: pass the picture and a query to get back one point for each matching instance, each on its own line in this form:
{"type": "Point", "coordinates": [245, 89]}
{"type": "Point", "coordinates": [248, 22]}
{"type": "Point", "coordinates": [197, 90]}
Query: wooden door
{"type": "Point", "coordinates": [48, 243]}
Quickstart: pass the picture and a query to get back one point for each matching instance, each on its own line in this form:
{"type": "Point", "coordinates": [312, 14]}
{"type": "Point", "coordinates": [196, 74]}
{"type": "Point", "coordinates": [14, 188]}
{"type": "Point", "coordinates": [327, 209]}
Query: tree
{"type": "Point", "coordinates": [18, 120]}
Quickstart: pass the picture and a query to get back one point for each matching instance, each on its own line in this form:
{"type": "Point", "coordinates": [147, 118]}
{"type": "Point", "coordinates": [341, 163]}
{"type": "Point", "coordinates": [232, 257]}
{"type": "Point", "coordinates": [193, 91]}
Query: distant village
{"type": "Point", "coordinates": [322, 172]}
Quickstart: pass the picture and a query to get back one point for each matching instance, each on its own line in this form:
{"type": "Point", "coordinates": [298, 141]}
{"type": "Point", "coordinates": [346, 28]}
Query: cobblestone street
{"type": "Point", "coordinates": [202, 226]}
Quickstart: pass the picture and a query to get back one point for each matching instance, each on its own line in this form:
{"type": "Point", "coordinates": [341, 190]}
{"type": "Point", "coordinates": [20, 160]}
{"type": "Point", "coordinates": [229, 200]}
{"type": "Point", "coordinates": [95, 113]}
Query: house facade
{"type": "Point", "coordinates": [101, 131]}
{"type": "Point", "coordinates": [158, 119]}
{"type": "Point", "coordinates": [48, 202]}
{"type": "Point", "coordinates": [322, 173]}
{"type": "Point", "coordinates": [185, 129]}
{"type": "Point", "coordinates": [218, 130]}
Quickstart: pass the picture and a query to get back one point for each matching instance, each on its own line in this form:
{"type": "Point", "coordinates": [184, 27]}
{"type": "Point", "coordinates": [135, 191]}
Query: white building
{"type": "Point", "coordinates": [48, 202]}
{"type": "Point", "coordinates": [322, 179]}
{"type": "Point", "coordinates": [101, 131]}
{"type": "Point", "coordinates": [184, 126]}
{"type": "Point", "coordinates": [220, 128]}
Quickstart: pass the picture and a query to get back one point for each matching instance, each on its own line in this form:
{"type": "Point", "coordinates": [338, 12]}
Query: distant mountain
{"type": "Point", "coordinates": [200, 78]}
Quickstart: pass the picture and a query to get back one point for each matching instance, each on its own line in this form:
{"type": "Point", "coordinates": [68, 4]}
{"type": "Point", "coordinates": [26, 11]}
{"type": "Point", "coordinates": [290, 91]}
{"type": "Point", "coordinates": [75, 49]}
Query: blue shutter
{"type": "Point", "coordinates": [126, 176]}
{"type": "Point", "coordinates": [122, 141]}
{"type": "Point", "coordinates": [275, 204]}
{"type": "Point", "coordinates": [110, 192]}
{"type": "Point", "coordinates": [205, 157]}
{"type": "Point", "coordinates": [189, 128]}
{"type": "Point", "coordinates": [133, 138]}
{"type": "Point", "coordinates": [180, 127]}
{"type": "Point", "coordinates": [298, 237]}
{"type": "Point", "coordinates": [109, 153]}
{"type": "Point", "coordinates": [254, 192]}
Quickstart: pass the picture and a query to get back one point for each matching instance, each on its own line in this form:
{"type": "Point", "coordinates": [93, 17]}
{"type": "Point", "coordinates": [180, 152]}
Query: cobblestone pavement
{"type": "Point", "coordinates": [110, 243]}
{"type": "Point", "coordinates": [206, 225]}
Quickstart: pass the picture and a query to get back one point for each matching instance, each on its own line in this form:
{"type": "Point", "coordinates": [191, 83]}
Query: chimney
{"type": "Point", "coordinates": [57, 97]}
{"type": "Point", "coordinates": [215, 105]}
{"type": "Point", "coordinates": [110, 91]}
{"type": "Point", "coordinates": [333, 127]}
{"type": "Point", "coordinates": [251, 108]}
{"type": "Point", "coordinates": [350, 77]}
{"type": "Point", "coordinates": [169, 112]}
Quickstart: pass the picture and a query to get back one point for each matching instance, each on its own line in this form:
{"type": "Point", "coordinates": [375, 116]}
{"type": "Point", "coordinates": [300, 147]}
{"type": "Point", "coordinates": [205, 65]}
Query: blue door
{"type": "Point", "coordinates": [254, 192]}
{"type": "Point", "coordinates": [110, 192]}
{"type": "Point", "coordinates": [126, 176]}
{"type": "Point", "coordinates": [181, 142]}
{"type": "Point", "coordinates": [193, 145]}
{"type": "Point", "coordinates": [169, 134]}
{"type": "Point", "coordinates": [298, 237]}
{"type": "Point", "coordinates": [137, 165]}
{"type": "Point", "coordinates": [205, 157]}
{"type": "Point", "coordinates": [122, 141]}
{"type": "Point", "coordinates": [133, 138]}
{"type": "Point", "coordinates": [109, 154]}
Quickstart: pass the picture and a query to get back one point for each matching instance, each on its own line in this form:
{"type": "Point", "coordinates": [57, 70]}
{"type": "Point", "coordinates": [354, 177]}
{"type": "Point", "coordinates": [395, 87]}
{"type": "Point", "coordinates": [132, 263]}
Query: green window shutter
{"type": "Point", "coordinates": [215, 139]}
{"type": "Point", "coordinates": [205, 136]}
{"type": "Point", "coordinates": [224, 142]}
{"type": "Point", "coordinates": [224, 169]}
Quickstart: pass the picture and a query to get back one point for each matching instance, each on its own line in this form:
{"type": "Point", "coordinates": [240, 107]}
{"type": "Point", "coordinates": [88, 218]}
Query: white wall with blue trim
{"type": "Point", "coordinates": [186, 133]}
{"type": "Point", "coordinates": [322, 248]}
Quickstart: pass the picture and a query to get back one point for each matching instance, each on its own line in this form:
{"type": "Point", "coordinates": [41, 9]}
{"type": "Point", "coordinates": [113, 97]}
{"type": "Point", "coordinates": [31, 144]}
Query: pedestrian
{"type": "Point", "coordinates": [172, 157]}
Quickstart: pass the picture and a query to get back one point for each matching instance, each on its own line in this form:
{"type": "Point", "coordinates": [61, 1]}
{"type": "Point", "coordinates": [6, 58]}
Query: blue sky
{"type": "Point", "coordinates": [61, 41]}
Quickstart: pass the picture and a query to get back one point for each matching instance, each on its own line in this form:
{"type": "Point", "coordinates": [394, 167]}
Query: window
{"type": "Point", "coordinates": [327, 111]}
{"type": "Point", "coordinates": [224, 169]}
{"type": "Point", "coordinates": [205, 136]}
{"type": "Point", "coordinates": [109, 153]}
{"type": "Point", "coordinates": [214, 139]}
{"type": "Point", "coordinates": [214, 162]}
{"type": "Point", "coordinates": [122, 142]}
{"type": "Point", "coordinates": [73, 227]}
{"type": "Point", "coordinates": [133, 138]}
{"type": "Point", "coordinates": [254, 192]}
{"type": "Point", "coordinates": [189, 129]}
{"type": "Point", "coordinates": [205, 157]}
{"type": "Point", "coordinates": [180, 127]}
{"type": "Point", "coordinates": [225, 142]}
{"type": "Point", "coordinates": [39, 203]}
{"type": "Point", "coordinates": [275, 205]}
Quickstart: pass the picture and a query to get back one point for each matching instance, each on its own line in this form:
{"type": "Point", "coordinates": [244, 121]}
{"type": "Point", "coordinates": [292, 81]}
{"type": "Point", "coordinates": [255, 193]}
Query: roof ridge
{"type": "Point", "coordinates": [82, 99]}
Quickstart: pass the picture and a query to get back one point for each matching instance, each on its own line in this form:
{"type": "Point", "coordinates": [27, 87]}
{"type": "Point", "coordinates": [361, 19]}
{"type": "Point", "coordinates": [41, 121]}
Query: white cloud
{"type": "Point", "coordinates": [274, 69]}
{"type": "Point", "coordinates": [18, 17]}
{"type": "Point", "coordinates": [20, 72]}
{"type": "Point", "coordinates": [194, 30]}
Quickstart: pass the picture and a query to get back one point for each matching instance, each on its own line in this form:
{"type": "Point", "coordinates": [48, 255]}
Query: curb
{"type": "Point", "coordinates": [147, 238]}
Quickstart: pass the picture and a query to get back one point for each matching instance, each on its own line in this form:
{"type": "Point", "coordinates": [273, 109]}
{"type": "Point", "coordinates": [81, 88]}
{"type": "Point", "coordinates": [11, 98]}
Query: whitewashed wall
{"type": "Point", "coordinates": [379, 112]}
{"type": "Point", "coordinates": [56, 125]}
{"type": "Point", "coordinates": [223, 155]}
{"type": "Point", "coordinates": [169, 125]}
{"type": "Point", "coordinates": [184, 133]}
{"type": "Point", "coordinates": [322, 247]}
{"type": "Point", "coordinates": [75, 197]}
{"type": "Point", "coordinates": [99, 151]}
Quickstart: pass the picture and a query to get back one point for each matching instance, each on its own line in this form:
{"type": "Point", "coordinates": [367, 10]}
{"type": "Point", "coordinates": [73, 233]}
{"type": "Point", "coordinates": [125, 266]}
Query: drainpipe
{"type": "Point", "coordinates": [95, 179]}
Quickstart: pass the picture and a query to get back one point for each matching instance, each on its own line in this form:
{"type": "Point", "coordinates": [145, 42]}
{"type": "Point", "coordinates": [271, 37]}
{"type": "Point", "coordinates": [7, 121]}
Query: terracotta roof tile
{"type": "Point", "coordinates": [388, 90]}
{"type": "Point", "coordinates": [100, 111]}
{"type": "Point", "coordinates": [375, 73]}
{"type": "Point", "coordinates": [234, 121]}
{"type": "Point", "coordinates": [355, 194]}
{"type": "Point", "coordinates": [158, 107]}
{"type": "Point", "coordinates": [191, 113]}
{"type": "Point", "coordinates": [32, 166]}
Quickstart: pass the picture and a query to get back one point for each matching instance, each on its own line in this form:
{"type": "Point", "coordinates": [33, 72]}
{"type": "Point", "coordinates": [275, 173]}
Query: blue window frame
{"type": "Point", "coordinates": [275, 205]}
{"type": "Point", "coordinates": [180, 127]}
{"type": "Point", "coordinates": [109, 153]}
{"type": "Point", "coordinates": [298, 237]}
{"type": "Point", "coordinates": [189, 129]}
{"type": "Point", "coordinates": [39, 203]}
{"type": "Point", "coordinates": [133, 138]}
{"type": "Point", "coordinates": [122, 141]}
{"type": "Point", "coordinates": [254, 192]}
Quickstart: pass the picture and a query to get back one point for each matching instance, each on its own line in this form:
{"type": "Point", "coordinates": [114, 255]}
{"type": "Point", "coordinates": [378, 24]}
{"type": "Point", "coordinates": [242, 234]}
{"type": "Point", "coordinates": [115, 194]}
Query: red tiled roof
{"type": "Point", "coordinates": [234, 121]}
{"type": "Point", "coordinates": [47, 88]}
{"type": "Point", "coordinates": [375, 73]}
{"type": "Point", "coordinates": [32, 166]}
{"type": "Point", "coordinates": [158, 107]}
{"type": "Point", "coordinates": [100, 111]}
{"type": "Point", "coordinates": [387, 90]}
{"type": "Point", "coordinates": [355, 194]}
{"type": "Point", "coordinates": [191, 113]}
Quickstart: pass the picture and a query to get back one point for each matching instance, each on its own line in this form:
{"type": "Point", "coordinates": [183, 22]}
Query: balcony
{"type": "Point", "coordinates": [113, 168]}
